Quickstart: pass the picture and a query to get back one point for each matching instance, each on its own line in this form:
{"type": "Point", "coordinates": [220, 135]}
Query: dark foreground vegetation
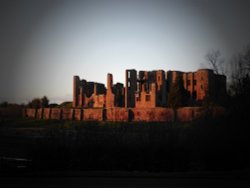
{"type": "Point", "coordinates": [204, 145]}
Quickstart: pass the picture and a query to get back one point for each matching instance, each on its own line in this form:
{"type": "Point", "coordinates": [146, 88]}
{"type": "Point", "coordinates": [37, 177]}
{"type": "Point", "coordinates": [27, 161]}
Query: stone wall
{"type": "Point", "coordinates": [67, 113]}
{"type": "Point", "coordinates": [198, 112]}
{"type": "Point", "coordinates": [30, 112]}
{"type": "Point", "coordinates": [56, 113]}
{"type": "Point", "coordinates": [93, 114]}
{"type": "Point", "coordinates": [152, 114]}
{"type": "Point", "coordinates": [117, 114]}
{"type": "Point", "coordinates": [194, 113]}
{"type": "Point", "coordinates": [146, 99]}
{"type": "Point", "coordinates": [78, 115]}
{"type": "Point", "coordinates": [158, 114]}
{"type": "Point", "coordinates": [184, 114]}
{"type": "Point", "coordinates": [39, 114]}
{"type": "Point", "coordinates": [46, 113]}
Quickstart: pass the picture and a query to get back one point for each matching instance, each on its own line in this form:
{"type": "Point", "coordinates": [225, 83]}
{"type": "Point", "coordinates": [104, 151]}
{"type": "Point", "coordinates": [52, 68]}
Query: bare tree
{"type": "Point", "coordinates": [215, 61]}
{"type": "Point", "coordinates": [240, 71]}
{"type": "Point", "coordinates": [246, 58]}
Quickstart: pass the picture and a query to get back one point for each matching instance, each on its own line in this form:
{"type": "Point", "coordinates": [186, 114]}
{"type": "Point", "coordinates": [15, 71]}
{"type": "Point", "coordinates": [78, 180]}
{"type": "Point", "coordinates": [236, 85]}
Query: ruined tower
{"type": "Point", "coordinates": [161, 98]}
{"type": "Point", "coordinates": [109, 93]}
{"type": "Point", "coordinates": [148, 89]}
{"type": "Point", "coordinates": [130, 88]}
{"type": "Point", "coordinates": [76, 84]}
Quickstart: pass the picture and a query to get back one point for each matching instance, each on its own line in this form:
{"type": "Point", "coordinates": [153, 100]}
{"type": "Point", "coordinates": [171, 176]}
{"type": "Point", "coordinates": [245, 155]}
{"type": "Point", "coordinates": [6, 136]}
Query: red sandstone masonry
{"type": "Point", "coordinates": [67, 114]}
{"type": "Point", "coordinates": [146, 89]}
{"type": "Point", "coordinates": [56, 113]}
{"type": "Point", "coordinates": [40, 113]}
{"type": "Point", "coordinates": [78, 114]}
{"type": "Point", "coordinates": [158, 114]}
{"type": "Point", "coordinates": [198, 112]}
{"type": "Point", "coordinates": [184, 114]}
{"type": "Point", "coordinates": [153, 114]}
{"type": "Point", "coordinates": [31, 112]}
{"type": "Point", "coordinates": [46, 113]}
{"type": "Point", "coordinates": [117, 114]}
{"type": "Point", "coordinates": [93, 114]}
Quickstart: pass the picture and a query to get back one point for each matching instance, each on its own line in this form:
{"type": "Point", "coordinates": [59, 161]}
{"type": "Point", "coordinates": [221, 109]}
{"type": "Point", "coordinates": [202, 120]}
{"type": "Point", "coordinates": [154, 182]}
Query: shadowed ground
{"type": "Point", "coordinates": [125, 181]}
{"type": "Point", "coordinates": [207, 153]}
{"type": "Point", "coordinates": [208, 145]}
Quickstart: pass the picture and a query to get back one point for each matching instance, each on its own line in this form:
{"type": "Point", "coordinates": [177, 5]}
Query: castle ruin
{"type": "Point", "coordinates": [147, 89]}
{"type": "Point", "coordinates": [143, 98]}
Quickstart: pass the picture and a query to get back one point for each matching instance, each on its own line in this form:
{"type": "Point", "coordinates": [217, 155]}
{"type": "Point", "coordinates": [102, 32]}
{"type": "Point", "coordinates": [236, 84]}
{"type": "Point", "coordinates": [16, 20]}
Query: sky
{"type": "Point", "coordinates": [44, 43]}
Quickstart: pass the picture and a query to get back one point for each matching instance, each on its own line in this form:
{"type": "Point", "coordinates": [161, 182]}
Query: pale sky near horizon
{"type": "Point", "coordinates": [44, 43]}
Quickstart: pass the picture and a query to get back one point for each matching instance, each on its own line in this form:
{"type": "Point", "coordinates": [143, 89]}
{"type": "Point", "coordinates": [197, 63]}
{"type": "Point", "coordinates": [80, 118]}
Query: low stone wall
{"type": "Point", "coordinates": [158, 114]}
{"type": "Point", "coordinates": [198, 112]}
{"type": "Point", "coordinates": [56, 113]}
{"type": "Point", "coordinates": [46, 113]}
{"type": "Point", "coordinates": [93, 114]}
{"type": "Point", "coordinates": [117, 114]}
{"type": "Point", "coordinates": [67, 114]}
{"type": "Point", "coordinates": [185, 114]}
{"type": "Point", "coordinates": [152, 114]}
{"type": "Point", "coordinates": [78, 115]}
{"type": "Point", "coordinates": [39, 114]}
{"type": "Point", "coordinates": [30, 112]}
{"type": "Point", "coordinates": [194, 113]}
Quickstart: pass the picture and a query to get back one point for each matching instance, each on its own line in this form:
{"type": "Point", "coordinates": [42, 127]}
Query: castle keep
{"type": "Point", "coordinates": [147, 89]}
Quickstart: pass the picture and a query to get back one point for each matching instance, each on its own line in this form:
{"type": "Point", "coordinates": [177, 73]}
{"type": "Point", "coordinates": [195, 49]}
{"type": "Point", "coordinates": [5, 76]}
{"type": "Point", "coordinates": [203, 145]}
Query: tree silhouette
{"type": "Point", "coordinates": [213, 57]}
{"type": "Point", "coordinates": [35, 103]}
{"type": "Point", "coordinates": [39, 103]}
{"type": "Point", "coordinates": [4, 104]}
{"type": "Point", "coordinates": [240, 72]}
{"type": "Point", "coordinates": [240, 84]}
{"type": "Point", "coordinates": [44, 102]}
